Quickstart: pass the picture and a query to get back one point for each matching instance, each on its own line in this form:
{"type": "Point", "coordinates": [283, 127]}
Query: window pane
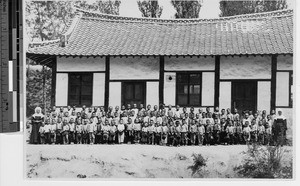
{"type": "Point", "coordinates": [182, 89]}
{"type": "Point", "coordinates": [182, 78]}
{"type": "Point", "coordinates": [194, 78]}
{"type": "Point", "coordinates": [87, 79]}
{"type": "Point", "coordinates": [74, 90]}
{"type": "Point", "coordinates": [74, 99]}
{"type": "Point", "coordinates": [194, 89]}
{"type": "Point", "coordinates": [194, 99]}
{"type": "Point", "coordinates": [182, 99]}
{"type": "Point", "coordinates": [129, 91]}
{"type": "Point", "coordinates": [138, 91]}
{"type": "Point", "coordinates": [87, 90]}
{"type": "Point", "coordinates": [75, 79]}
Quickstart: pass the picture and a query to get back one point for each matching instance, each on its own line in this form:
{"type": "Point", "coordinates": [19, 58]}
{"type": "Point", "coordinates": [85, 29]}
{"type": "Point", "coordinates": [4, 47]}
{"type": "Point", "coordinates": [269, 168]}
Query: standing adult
{"type": "Point", "coordinates": [36, 121]}
{"type": "Point", "coordinates": [279, 129]}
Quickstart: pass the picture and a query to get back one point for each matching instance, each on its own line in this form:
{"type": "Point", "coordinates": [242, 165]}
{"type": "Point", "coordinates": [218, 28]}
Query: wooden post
{"type": "Point", "coordinates": [53, 82]}
{"type": "Point", "coordinates": [106, 93]}
{"type": "Point", "coordinates": [273, 82]}
{"type": "Point", "coordinates": [217, 80]}
{"type": "Point", "coordinates": [161, 79]}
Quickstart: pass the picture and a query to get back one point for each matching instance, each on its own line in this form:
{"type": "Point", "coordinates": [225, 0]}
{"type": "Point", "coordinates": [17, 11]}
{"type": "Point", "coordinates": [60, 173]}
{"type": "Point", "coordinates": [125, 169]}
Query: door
{"type": "Point", "coordinates": [244, 95]}
{"type": "Point", "coordinates": [133, 93]}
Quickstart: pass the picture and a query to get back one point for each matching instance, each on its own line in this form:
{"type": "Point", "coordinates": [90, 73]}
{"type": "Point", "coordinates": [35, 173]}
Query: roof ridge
{"type": "Point", "coordinates": [93, 14]}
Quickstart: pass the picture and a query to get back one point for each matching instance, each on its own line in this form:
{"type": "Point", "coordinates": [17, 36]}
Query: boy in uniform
{"type": "Point", "coordinates": [129, 132]}
{"type": "Point", "coordinates": [209, 132]}
{"type": "Point", "coordinates": [151, 130]}
{"type": "Point", "coordinates": [246, 132]}
{"type": "Point", "coordinates": [42, 133]}
{"type": "Point", "coordinates": [85, 133]}
{"type": "Point", "coordinates": [98, 132]}
{"type": "Point", "coordinates": [144, 138]}
{"type": "Point", "coordinates": [164, 136]}
{"type": "Point", "coordinates": [261, 133]}
{"type": "Point", "coordinates": [268, 134]}
{"type": "Point", "coordinates": [171, 134]}
{"type": "Point", "coordinates": [216, 132]}
{"type": "Point", "coordinates": [58, 131]}
{"type": "Point", "coordinates": [78, 131]}
{"type": "Point", "coordinates": [72, 131]}
{"type": "Point", "coordinates": [105, 131]}
{"type": "Point", "coordinates": [157, 134]}
{"type": "Point", "coordinates": [53, 132]}
{"type": "Point", "coordinates": [230, 130]}
{"type": "Point", "coordinates": [137, 131]}
{"type": "Point", "coordinates": [112, 132]}
{"type": "Point", "coordinates": [65, 131]}
{"type": "Point", "coordinates": [254, 130]}
{"type": "Point", "coordinates": [184, 131]}
{"type": "Point", "coordinates": [121, 128]}
{"type": "Point", "coordinates": [177, 139]}
{"type": "Point", "coordinates": [193, 132]}
{"type": "Point", "coordinates": [200, 133]}
{"type": "Point", "coordinates": [47, 132]}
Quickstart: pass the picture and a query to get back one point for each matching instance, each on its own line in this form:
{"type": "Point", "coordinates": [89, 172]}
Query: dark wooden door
{"type": "Point", "coordinates": [244, 95]}
{"type": "Point", "coordinates": [133, 93]}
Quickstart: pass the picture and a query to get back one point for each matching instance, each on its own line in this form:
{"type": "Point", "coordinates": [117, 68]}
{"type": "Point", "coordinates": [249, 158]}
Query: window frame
{"type": "Point", "coordinates": [189, 84]}
{"type": "Point", "coordinates": [80, 94]}
{"type": "Point", "coordinates": [291, 82]}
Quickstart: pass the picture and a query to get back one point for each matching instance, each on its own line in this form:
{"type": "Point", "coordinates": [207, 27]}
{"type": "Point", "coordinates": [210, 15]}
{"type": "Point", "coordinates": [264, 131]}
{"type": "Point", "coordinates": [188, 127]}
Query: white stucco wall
{"type": "Point", "coordinates": [285, 62]}
{"type": "Point", "coordinates": [208, 88]}
{"type": "Point", "coordinates": [134, 68]}
{"type": "Point", "coordinates": [152, 91]}
{"type": "Point", "coordinates": [282, 89]}
{"type": "Point", "coordinates": [98, 89]}
{"type": "Point", "coordinates": [61, 95]}
{"type": "Point", "coordinates": [170, 88]}
{"type": "Point", "coordinates": [264, 95]}
{"type": "Point", "coordinates": [115, 89]}
{"type": "Point", "coordinates": [225, 95]}
{"type": "Point", "coordinates": [187, 63]}
{"type": "Point", "coordinates": [245, 67]}
{"type": "Point", "coordinates": [80, 64]}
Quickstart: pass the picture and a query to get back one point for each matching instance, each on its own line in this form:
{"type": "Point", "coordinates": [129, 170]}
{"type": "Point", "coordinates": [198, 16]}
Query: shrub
{"type": "Point", "coordinates": [199, 163]}
{"type": "Point", "coordinates": [264, 162]}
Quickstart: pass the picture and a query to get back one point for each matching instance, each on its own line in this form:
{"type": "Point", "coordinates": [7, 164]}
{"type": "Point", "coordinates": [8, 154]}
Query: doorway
{"type": "Point", "coordinates": [244, 95]}
{"type": "Point", "coordinates": [133, 92]}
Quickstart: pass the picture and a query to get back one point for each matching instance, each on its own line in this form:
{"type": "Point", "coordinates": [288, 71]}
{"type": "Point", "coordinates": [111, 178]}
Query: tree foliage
{"type": "Point", "coordinates": [105, 6]}
{"type": "Point", "coordinates": [150, 8]}
{"type": "Point", "coordinates": [231, 8]}
{"type": "Point", "coordinates": [38, 84]}
{"type": "Point", "coordinates": [187, 9]}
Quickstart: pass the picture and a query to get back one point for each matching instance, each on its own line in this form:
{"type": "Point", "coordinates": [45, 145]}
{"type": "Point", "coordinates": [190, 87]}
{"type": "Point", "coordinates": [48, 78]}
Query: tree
{"type": "Point", "coordinates": [150, 8]}
{"type": "Point", "coordinates": [231, 8]}
{"type": "Point", "coordinates": [187, 9]}
{"type": "Point", "coordinates": [105, 6]}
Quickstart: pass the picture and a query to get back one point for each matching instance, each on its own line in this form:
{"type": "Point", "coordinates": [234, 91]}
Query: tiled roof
{"type": "Point", "coordinates": [94, 34]}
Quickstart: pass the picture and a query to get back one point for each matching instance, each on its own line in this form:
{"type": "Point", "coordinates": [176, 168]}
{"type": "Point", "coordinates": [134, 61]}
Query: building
{"type": "Point", "coordinates": [243, 62]}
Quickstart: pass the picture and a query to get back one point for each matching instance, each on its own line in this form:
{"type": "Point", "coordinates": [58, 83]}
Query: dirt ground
{"type": "Point", "coordinates": [131, 161]}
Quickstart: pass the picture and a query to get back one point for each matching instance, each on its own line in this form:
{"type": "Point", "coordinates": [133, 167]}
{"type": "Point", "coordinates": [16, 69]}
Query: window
{"type": "Point", "coordinates": [80, 89]}
{"type": "Point", "coordinates": [133, 93]}
{"type": "Point", "coordinates": [188, 89]}
{"type": "Point", "coordinates": [291, 89]}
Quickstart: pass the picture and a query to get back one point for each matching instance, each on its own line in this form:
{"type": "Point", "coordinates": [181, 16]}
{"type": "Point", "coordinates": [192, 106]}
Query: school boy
{"type": "Point", "coordinates": [121, 128]}
{"type": "Point", "coordinates": [239, 133]}
{"type": "Point", "coordinates": [261, 133]}
{"type": "Point", "coordinates": [78, 132]}
{"type": "Point", "coordinates": [151, 131]}
{"type": "Point", "coordinates": [164, 135]}
{"type": "Point", "coordinates": [137, 131]}
{"type": "Point", "coordinates": [58, 131]}
{"type": "Point", "coordinates": [209, 132]}
{"type": "Point", "coordinates": [268, 134]}
{"type": "Point", "coordinates": [177, 139]}
{"type": "Point", "coordinates": [129, 132]}
{"type": "Point", "coordinates": [254, 131]}
{"type": "Point", "coordinates": [47, 132]}
{"type": "Point", "coordinates": [171, 133]}
{"type": "Point", "coordinates": [158, 131]}
{"type": "Point", "coordinates": [72, 131]}
{"type": "Point", "coordinates": [42, 133]}
{"type": "Point", "coordinates": [247, 132]}
{"type": "Point", "coordinates": [144, 138]}
{"type": "Point", "coordinates": [230, 130]}
{"type": "Point", "coordinates": [65, 131]}
{"type": "Point", "coordinates": [112, 132]}
{"type": "Point", "coordinates": [85, 132]}
{"type": "Point", "coordinates": [193, 132]}
{"type": "Point", "coordinates": [200, 133]}
{"type": "Point", "coordinates": [216, 131]}
{"type": "Point", "coordinates": [184, 132]}
{"type": "Point", "coordinates": [98, 133]}
{"type": "Point", "coordinates": [105, 132]}
{"type": "Point", "coordinates": [53, 132]}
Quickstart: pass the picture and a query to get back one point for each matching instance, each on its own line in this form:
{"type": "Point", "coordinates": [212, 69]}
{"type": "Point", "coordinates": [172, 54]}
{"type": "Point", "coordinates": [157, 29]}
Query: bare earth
{"type": "Point", "coordinates": [131, 161]}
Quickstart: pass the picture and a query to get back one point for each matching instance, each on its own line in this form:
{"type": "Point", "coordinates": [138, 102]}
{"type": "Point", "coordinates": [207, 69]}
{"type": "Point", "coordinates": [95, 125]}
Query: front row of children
{"type": "Point", "coordinates": [173, 133]}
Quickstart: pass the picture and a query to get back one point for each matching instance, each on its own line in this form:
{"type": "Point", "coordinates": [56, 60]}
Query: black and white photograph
{"type": "Point", "coordinates": [168, 89]}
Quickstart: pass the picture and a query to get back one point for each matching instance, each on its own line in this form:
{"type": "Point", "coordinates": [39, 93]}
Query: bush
{"type": "Point", "coordinates": [264, 162]}
{"type": "Point", "coordinates": [199, 163]}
